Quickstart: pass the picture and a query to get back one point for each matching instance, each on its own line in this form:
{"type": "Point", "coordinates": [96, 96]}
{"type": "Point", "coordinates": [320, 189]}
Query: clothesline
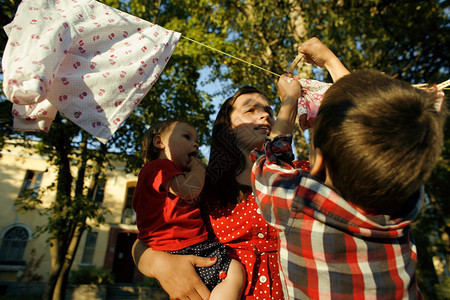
{"type": "Point", "coordinates": [94, 77]}
{"type": "Point", "coordinates": [441, 86]}
{"type": "Point", "coordinates": [229, 55]}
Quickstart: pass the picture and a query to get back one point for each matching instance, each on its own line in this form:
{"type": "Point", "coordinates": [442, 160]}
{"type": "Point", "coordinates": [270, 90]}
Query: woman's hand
{"type": "Point", "coordinates": [175, 273]}
{"type": "Point", "coordinates": [289, 89]}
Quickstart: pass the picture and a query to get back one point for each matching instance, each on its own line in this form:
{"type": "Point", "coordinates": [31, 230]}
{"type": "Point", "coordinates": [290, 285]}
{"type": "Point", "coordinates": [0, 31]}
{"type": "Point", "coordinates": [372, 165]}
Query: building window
{"type": "Point", "coordinates": [99, 194]}
{"type": "Point", "coordinates": [89, 248]}
{"type": "Point", "coordinates": [13, 245]}
{"type": "Point", "coordinates": [31, 184]}
{"type": "Point", "coordinates": [128, 214]}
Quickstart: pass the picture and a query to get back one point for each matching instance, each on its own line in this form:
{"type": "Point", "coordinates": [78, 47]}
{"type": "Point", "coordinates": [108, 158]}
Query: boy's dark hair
{"type": "Point", "coordinates": [226, 160]}
{"type": "Point", "coordinates": [149, 151]}
{"type": "Point", "coordinates": [380, 138]}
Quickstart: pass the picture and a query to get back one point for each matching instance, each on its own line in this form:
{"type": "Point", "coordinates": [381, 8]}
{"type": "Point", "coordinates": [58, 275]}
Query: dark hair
{"type": "Point", "coordinates": [226, 161]}
{"type": "Point", "coordinates": [380, 138]}
{"type": "Point", "coordinates": [149, 151]}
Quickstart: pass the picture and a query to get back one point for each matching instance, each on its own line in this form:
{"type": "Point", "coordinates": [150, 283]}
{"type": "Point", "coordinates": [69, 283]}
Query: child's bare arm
{"type": "Point", "coordinates": [317, 53]}
{"type": "Point", "coordinates": [190, 184]}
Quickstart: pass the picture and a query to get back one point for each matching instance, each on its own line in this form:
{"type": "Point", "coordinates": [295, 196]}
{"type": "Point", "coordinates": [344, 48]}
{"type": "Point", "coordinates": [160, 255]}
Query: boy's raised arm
{"type": "Point", "coordinates": [319, 54]}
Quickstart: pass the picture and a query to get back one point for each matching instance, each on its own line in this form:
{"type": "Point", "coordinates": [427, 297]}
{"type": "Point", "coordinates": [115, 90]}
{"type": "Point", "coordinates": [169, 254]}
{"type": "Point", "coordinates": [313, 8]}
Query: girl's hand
{"type": "Point", "coordinates": [196, 163]}
{"type": "Point", "coordinates": [175, 273]}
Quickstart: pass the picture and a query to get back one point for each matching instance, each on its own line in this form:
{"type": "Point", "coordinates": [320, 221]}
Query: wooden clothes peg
{"type": "Point", "coordinates": [292, 66]}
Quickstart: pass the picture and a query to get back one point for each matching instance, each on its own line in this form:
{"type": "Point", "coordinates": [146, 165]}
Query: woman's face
{"type": "Point", "coordinates": [251, 120]}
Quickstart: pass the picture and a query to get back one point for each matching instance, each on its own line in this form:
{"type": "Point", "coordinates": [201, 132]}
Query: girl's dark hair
{"type": "Point", "coordinates": [149, 151]}
{"type": "Point", "coordinates": [226, 161]}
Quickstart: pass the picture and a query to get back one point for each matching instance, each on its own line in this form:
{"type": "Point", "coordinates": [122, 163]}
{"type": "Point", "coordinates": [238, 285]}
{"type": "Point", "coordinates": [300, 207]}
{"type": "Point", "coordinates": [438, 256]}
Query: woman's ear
{"type": "Point", "coordinates": [157, 142]}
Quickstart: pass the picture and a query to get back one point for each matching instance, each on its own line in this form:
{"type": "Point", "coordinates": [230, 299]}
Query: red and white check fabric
{"type": "Point", "coordinates": [87, 60]}
{"type": "Point", "coordinates": [329, 248]}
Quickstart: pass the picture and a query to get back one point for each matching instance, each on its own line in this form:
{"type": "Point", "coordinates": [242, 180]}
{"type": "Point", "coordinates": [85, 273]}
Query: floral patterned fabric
{"type": "Point", "coordinates": [309, 101]}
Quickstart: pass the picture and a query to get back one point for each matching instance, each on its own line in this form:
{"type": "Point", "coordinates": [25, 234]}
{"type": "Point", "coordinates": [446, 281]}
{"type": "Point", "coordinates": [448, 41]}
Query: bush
{"type": "Point", "coordinates": [91, 275]}
{"type": "Point", "coordinates": [443, 289]}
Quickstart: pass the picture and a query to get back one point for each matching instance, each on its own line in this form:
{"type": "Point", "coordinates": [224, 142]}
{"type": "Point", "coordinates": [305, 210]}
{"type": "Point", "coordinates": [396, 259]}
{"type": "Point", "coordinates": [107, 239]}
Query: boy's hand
{"type": "Point", "coordinates": [316, 52]}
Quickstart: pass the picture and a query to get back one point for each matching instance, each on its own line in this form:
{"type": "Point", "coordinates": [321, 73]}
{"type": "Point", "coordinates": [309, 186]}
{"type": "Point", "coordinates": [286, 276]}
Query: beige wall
{"type": "Point", "coordinates": [13, 165]}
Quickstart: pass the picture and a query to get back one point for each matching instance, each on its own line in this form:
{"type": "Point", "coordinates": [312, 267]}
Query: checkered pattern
{"type": "Point", "coordinates": [329, 248]}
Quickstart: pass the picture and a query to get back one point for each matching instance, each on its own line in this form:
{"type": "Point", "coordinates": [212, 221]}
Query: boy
{"type": "Point", "coordinates": [345, 225]}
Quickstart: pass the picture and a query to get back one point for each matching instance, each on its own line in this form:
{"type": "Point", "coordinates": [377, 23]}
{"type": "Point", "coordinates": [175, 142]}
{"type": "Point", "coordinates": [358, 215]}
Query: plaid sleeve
{"type": "Point", "coordinates": [275, 181]}
{"type": "Point", "coordinates": [277, 150]}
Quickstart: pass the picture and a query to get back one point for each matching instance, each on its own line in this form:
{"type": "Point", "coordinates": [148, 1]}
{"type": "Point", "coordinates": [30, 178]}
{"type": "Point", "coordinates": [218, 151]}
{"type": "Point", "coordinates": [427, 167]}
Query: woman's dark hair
{"type": "Point", "coordinates": [226, 161]}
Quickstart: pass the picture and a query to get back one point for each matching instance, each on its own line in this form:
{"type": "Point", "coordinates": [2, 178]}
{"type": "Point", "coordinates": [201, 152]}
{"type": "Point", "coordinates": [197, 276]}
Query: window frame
{"type": "Point", "coordinates": [90, 243]}
{"type": "Point", "coordinates": [128, 214]}
{"type": "Point", "coordinates": [29, 188]}
{"type": "Point", "coordinates": [9, 245]}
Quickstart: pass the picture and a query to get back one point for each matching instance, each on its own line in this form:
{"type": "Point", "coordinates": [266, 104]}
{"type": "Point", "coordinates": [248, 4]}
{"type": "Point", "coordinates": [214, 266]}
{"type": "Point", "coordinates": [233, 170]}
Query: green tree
{"type": "Point", "coordinates": [174, 96]}
{"type": "Point", "coordinates": [405, 39]}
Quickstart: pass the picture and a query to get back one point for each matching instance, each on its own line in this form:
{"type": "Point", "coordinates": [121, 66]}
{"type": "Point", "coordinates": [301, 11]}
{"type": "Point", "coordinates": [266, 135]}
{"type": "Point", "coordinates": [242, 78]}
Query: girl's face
{"type": "Point", "coordinates": [251, 120]}
{"type": "Point", "coordinates": [179, 143]}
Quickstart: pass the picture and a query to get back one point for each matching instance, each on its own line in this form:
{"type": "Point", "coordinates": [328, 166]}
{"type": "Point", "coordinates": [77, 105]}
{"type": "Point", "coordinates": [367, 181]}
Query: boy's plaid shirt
{"type": "Point", "coordinates": [329, 249]}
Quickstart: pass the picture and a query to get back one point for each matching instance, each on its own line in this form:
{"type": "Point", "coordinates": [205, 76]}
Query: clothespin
{"type": "Point", "coordinates": [443, 85]}
{"type": "Point", "coordinates": [292, 66]}
{"type": "Point", "coordinates": [439, 88]}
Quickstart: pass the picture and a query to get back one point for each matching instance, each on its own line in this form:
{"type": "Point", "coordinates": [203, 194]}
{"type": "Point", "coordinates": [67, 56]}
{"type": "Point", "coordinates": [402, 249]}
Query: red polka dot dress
{"type": "Point", "coordinates": [253, 243]}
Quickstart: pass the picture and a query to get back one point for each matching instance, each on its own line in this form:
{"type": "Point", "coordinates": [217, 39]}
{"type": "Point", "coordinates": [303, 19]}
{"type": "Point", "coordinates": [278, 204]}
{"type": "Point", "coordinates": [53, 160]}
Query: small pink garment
{"type": "Point", "coordinates": [91, 62]}
{"type": "Point", "coordinates": [309, 101]}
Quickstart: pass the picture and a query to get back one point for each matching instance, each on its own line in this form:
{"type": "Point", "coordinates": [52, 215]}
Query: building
{"type": "Point", "coordinates": [26, 257]}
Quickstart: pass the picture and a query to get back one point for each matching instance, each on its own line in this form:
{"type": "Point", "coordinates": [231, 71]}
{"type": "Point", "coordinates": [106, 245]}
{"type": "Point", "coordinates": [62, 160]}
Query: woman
{"type": "Point", "coordinates": [242, 124]}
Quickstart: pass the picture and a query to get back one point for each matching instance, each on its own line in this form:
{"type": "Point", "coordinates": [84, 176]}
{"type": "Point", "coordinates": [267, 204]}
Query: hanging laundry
{"type": "Point", "coordinates": [308, 105]}
{"type": "Point", "coordinates": [90, 62]}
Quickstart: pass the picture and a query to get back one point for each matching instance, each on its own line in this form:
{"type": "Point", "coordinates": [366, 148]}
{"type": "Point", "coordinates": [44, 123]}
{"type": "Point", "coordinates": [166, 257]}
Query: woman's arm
{"type": "Point", "coordinates": [175, 273]}
{"type": "Point", "coordinates": [289, 89]}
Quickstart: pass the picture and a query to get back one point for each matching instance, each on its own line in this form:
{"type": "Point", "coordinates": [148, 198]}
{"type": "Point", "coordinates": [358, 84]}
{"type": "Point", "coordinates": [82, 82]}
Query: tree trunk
{"type": "Point", "coordinates": [300, 35]}
{"type": "Point", "coordinates": [58, 240]}
{"type": "Point", "coordinates": [55, 254]}
{"type": "Point", "coordinates": [65, 240]}
{"type": "Point", "coordinates": [63, 278]}
{"type": "Point", "coordinates": [304, 71]}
